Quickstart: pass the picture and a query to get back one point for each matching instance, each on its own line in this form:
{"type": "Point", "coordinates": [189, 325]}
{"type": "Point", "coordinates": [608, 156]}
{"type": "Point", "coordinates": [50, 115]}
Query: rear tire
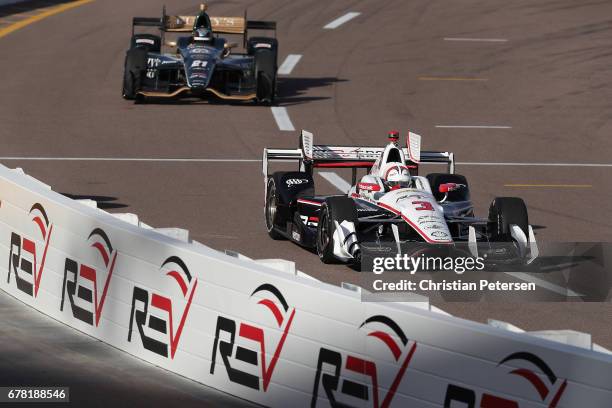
{"type": "Point", "coordinates": [333, 209]}
{"type": "Point", "coordinates": [504, 212]}
{"type": "Point", "coordinates": [270, 210]}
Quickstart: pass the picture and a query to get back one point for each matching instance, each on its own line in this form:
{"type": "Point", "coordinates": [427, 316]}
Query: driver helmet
{"type": "Point", "coordinates": [203, 35]}
{"type": "Point", "coordinates": [395, 175]}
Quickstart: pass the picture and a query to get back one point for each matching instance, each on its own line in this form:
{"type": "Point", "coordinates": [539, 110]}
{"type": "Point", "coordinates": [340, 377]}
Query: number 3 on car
{"type": "Point", "coordinates": [422, 206]}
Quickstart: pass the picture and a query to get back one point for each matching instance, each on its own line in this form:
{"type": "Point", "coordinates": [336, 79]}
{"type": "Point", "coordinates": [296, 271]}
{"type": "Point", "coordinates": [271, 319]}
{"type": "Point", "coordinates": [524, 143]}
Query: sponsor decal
{"type": "Point", "coordinates": [439, 234]}
{"type": "Point", "coordinates": [547, 386]}
{"type": "Point", "coordinates": [428, 218]}
{"type": "Point", "coordinates": [198, 50]}
{"type": "Point", "coordinates": [153, 62]}
{"type": "Point", "coordinates": [296, 235]}
{"type": "Point", "coordinates": [336, 370]}
{"type": "Point", "coordinates": [153, 314]}
{"type": "Point", "coordinates": [199, 64]}
{"type": "Point", "coordinates": [263, 45]}
{"type": "Point", "coordinates": [369, 187]}
{"type": "Point", "coordinates": [25, 254]}
{"type": "Point", "coordinates": [82, 282]}
{"type": "Point", "coordinates": [434, 227]}
{"type": "Point", "coordinates": [295, 182]}
{"type": "Point", "coordinates": [402, 198]}
{"type": "Point", "coordinates": [145, 41]}
{"type": "Point", "coordinates": [237, 358]}
{"type": "Point", "coordinates": [435, 222]}
{"type": "Point", "coordinates": [164, 62]}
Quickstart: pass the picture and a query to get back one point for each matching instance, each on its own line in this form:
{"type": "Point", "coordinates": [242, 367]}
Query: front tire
{"type": "Point", "coordinates": [129, 86]}
{"type": "Point", "coordinates": [265, 88]}
{"type": "Point", "coordinates": [265, 69]}
{"type": "Point", "coordinates": [135, 64]}
{"type": "Point", "coordinates": [505, 212]}
{"type": "Point", "coordinates": [333, 209]}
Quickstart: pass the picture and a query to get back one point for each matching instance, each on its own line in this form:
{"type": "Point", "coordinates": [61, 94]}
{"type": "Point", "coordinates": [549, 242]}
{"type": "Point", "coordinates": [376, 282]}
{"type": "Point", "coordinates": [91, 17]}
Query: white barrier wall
{"type": "Point", "coordinates": [264, 335]}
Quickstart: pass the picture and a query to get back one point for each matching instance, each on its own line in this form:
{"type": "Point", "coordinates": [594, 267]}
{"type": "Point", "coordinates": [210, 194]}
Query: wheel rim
{"type": "Point", "coordinates": [323, 233]}
{"type": "Point", "coordinates": [270, 206]}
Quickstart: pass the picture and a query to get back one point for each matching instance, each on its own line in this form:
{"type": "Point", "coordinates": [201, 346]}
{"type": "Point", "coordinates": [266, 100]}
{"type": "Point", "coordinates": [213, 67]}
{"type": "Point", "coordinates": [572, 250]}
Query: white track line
{"type": "Point", "coordinates": [535, 164]}
{"type": "Point", "coordinates": [475, 39]}
{"type": "Point", "coordinates": [134, 159]}
{"type": "Point", "coordinates": [336, 181]}
{"type": "Point", "coordinates": [471, 127]}
{"type": "Point", "coordinates": [205, 160]}
{"type": "Point", "coordinates": [341, 20]}
{"type": "Point", "coordinates": [289, 63]}
{"type": "Point", "coordinates": [281, 116]}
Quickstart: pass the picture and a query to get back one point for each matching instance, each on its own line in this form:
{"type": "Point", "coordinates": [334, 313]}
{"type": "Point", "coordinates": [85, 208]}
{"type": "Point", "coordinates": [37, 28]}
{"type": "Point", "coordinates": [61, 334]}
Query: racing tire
{"type": "Point", "coordinates": [265, 69]}
{"type": "Point", "coordinates": [270, 209]}
{"type": "Point", "coordinates": [128, 86]}
{"type": "Point", "coordinates": [504, 212]}
{"type": "Point", "coordinates": [333, 209]}
{"type": "Point", "coordinates": [435, 179]}
{"type": "Point", "coordinates": [135, 64]}
{"type": "Point", "coordinates": [265, 89]}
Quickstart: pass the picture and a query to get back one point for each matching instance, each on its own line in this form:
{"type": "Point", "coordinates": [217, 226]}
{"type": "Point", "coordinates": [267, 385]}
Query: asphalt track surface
{"type": "Point", "coordinates": [545, 91]}
{"type": "Point", "coordinates": [39, 351]}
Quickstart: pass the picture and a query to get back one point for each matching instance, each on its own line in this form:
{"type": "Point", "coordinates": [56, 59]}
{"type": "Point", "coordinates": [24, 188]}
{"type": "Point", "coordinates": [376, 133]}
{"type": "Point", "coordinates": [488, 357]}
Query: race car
{"type": "Point", "coordinates": [391, 202]}
{"type": "Point", "coordinates": [202, 63]}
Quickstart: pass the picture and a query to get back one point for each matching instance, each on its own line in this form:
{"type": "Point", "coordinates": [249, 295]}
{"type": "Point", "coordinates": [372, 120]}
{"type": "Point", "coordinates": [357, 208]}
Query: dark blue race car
{"type": "Point", "coordinates": [201, 64]}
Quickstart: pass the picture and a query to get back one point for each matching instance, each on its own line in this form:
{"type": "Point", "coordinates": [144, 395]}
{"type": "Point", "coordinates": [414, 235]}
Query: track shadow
{"type": "Point", "coordinates": [27, 6]}
{"type": "Point", "coordinates": [104, 202]}
{"type": "Point", "coordinates": [192, 101]}
{"type": "Point", "coordinates": [291, 90]}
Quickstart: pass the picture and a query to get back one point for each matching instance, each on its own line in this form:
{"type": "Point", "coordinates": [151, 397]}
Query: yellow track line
{"type": "Point", "coordinates": [550, 185]}
{"type": "Point", "coordinates": [37, 17]}
{"type": "Point", "coordinates": [428, 78]}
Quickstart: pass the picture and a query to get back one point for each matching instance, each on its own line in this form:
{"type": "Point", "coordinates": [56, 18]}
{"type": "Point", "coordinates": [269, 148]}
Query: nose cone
{"type": "Point", "coordinates": [199, 72]}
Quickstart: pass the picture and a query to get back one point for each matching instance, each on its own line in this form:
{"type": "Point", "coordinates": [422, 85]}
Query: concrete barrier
{"type": "Point", "coordinates": [271, 336]}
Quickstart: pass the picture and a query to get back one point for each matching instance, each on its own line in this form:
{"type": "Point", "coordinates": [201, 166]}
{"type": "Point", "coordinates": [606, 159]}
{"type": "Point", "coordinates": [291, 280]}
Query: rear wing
{"type": "Point", "coordinates": [146, 21]}
{"type": "Point", "coordinates": [309, 155]}
{"type": "Point", "coordinates": [221, 25]}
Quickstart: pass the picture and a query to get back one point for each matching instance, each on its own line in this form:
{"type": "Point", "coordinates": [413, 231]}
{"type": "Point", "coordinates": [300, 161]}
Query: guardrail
{"type": "Point", "coordinates": [266, 335]}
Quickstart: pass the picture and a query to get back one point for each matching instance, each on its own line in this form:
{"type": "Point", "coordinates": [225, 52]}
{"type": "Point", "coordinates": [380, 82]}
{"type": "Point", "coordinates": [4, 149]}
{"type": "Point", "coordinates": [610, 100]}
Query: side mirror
{"type": "Point", "coordinates": [448, 187]}
{"type": "Point", "coordinates": [171, 43]}
{"type": "Point", "coordinates": [230, 45]}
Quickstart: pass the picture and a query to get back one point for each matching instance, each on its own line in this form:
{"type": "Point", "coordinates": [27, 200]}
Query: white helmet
{"type": "Point", "coordinates": [395, 175]}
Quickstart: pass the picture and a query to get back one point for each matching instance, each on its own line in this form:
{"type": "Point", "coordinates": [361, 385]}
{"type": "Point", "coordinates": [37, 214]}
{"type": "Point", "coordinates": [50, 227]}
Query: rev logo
{"type": "Point", "coordinates": [334, 365]}
{"type": "Point", "coordinates": [153, 312]}
{"type": "Point", "coordinates": [245, 357]}
{"type": "Point", "coordinates": [548, 388]}
{"type": "Point", "coordinates": [81, 282]}
{"type": "Point", "coordinates": [23, 253]}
